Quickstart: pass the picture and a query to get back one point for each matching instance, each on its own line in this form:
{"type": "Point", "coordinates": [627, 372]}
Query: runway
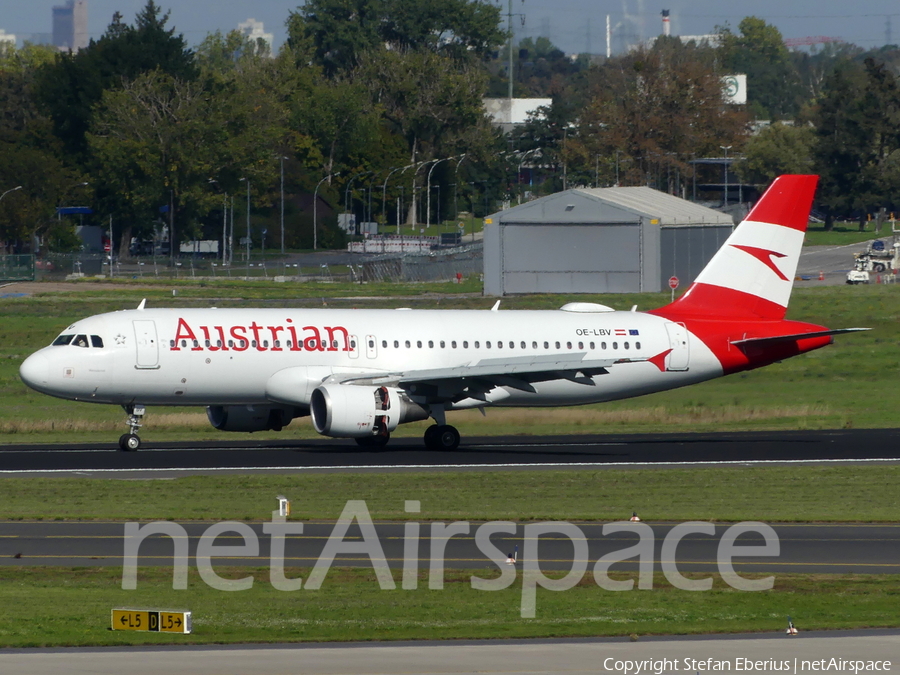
{"type": "Point", "coordinates": [803, 548]}
{"type": "Point", "coordinates": [476, 453]}
{"type": "Point", "coordinates": [749, 653]}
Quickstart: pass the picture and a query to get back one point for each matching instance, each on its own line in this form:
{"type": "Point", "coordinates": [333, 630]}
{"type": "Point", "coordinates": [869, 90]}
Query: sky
{"type": "Point", "coordinates": [573, 25]}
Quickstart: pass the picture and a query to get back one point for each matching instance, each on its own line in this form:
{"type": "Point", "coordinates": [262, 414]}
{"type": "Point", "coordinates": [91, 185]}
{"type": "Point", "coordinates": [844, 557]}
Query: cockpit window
{"type": "Point", "coordinates": [97, 341]}
{"type": "Point", "coordinates": [62, 340]}
{"type": "Point", "coordinates": [80, 341]}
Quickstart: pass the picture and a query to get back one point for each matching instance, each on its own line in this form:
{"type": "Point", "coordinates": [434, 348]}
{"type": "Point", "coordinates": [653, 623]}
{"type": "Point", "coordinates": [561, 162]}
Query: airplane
{"type": "Point", "coordinates": [359, 373]}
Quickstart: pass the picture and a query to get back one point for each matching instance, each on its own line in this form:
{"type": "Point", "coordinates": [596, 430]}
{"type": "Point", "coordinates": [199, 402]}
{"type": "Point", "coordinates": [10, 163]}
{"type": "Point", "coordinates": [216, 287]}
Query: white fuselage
{"type": "Point", "coordinates": [229, 356]}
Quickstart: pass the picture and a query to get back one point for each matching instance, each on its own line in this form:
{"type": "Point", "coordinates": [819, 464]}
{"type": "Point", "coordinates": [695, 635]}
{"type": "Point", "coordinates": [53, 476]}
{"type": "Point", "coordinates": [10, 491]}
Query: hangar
{"type": "Point", "coordinates": [600, 240]}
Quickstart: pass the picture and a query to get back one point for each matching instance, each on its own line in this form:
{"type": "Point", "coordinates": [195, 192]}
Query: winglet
{"type": "Point", "coordinates": [142, 305]}
{"type": "Point", "coordinates": [496, 306]}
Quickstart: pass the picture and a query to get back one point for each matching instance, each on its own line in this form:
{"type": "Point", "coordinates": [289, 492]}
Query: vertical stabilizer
{"type": "Point", "coordinates": [752, 275]}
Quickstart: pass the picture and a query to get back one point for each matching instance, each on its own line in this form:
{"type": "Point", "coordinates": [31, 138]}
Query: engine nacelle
{"type": "Point", "coordinates": [351, 411]}
{"type": "Point", "coordinates": [250, 417]}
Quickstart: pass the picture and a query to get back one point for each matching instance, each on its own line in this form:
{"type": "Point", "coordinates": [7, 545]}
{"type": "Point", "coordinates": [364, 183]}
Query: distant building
{"type": "Point", "coordinates": [509, 113]}
{"type": "Point", "coordinates": [7, 39]}
{"type": "Point", "coordinates": [255, 30]}
{"type": "Point", "coordinates": [70, 26]}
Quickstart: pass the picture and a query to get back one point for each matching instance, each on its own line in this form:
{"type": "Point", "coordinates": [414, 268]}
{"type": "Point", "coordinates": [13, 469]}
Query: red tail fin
{"type": "Point", "coordinates": [751, 276]}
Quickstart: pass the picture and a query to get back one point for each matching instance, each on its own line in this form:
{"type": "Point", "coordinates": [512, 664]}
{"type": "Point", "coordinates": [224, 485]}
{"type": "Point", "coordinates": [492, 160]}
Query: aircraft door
{"type": "Point", "coordinates": [147, 344]}
{"type": "Point", "coordinates": [371, 347]}
{"type": "Point", "coordinates": [679, 358]}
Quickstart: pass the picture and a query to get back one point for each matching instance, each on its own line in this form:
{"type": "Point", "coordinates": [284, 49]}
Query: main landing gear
{"type": "Point", "coordinates": [441, 437]}
{"type": "Point", "coordinates": [131, 441]}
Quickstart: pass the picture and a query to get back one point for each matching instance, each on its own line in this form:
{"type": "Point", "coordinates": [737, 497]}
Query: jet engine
{"type": "Point", "coordinates": [352, 411]}
{"type": "Point", "coordinates": [250, 417]}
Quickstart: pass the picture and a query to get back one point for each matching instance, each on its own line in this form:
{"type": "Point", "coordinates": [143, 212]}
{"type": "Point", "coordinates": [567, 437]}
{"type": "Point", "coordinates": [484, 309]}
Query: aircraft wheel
{"type": "Point", "coordinates": [431, 437]}
{"type": "Point", "coordinates": [129, 442]}
{"type": "Point", "coordinates": [879, 267]}
{"type": "Point", "coordinates": [447, 437]}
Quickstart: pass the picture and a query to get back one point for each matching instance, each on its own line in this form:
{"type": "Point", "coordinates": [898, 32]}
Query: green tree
{"type": "Point", "coordinates": [655, 110]}
{"type": "Point", "coordinates": [69, 88]}
{"type": "Point", "coordinates": [857, 140]}
{"type": "Point", "coordinates": [160, 140]}
{"type": "Point", "coordinates": [777, 149]}
{"type": "Point", "coordinates": [758, 50]}
{"type": "Point", "coordinates": [340, 31]}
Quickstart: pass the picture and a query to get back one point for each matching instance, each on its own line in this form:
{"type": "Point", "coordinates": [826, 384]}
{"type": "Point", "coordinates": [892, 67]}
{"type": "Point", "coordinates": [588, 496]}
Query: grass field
{"type": "Point", "coordinates": [779, 493]}
{"type": "Point", "coordinates": [72, 607]}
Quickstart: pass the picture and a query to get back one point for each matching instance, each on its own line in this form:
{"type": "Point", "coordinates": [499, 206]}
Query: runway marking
{"type": "Point", "coordinates": [568, 561]}
{"type": "Point", "coordinates": [511, 465]}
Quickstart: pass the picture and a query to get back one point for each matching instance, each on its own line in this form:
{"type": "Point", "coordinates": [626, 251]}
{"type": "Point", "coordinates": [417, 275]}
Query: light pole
{"type": "Point", "coordinates": [224, 223]}
{"type": "Point", "coordinates": [315, 209]}
{"type": "Point", "coordinates": [726, 148]}
{"type": "Point", "coordinates": [455, 182]}
{"type": "Point", "coordinates": [247, 180]}
{"type": "Point", "coordinates": [384, 191]}
{"type": "Point", "coordinates": [347, 192]}
{"type": "Point", "coordinates": [18, 187]}
{"type": "Point", "coordinates": [428, 189]}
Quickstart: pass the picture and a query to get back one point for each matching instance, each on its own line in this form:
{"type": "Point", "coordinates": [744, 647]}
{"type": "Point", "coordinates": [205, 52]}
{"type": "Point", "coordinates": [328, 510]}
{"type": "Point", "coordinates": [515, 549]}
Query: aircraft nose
{"type": "Point", "coordinates": [35, 371]}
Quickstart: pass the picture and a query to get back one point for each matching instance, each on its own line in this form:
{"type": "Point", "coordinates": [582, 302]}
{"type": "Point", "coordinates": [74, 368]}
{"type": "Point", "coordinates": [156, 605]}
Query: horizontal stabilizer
{"type": "Point", "coordinates": [796, 336]}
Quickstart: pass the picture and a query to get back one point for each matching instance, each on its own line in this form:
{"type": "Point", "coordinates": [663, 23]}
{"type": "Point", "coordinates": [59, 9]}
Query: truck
{"type": "Point", "coordinates": [876, 258]}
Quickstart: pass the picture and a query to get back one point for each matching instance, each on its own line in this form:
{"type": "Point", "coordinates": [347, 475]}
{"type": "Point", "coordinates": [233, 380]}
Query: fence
{"type": "Point", "coordinates": [17, 267]}
{"type": "Point", "coordinates": [436, 266]}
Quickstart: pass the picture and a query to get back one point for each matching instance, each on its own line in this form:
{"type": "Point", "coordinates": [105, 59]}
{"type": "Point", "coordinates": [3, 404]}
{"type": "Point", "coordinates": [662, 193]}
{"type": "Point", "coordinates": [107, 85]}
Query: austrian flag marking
{"type": "Point", "coordinates": [764, 256]}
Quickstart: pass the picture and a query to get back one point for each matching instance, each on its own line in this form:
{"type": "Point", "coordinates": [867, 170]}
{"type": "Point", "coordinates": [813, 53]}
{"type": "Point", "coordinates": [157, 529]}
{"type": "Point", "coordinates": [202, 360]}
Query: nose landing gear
{"type": "Point", "coordinates": [131, 441]}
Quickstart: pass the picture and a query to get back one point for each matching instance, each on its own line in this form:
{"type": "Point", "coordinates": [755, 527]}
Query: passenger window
{"type": "Point", "coordinates": [557, 345]}
{"type": "Point", "coordinates": [62, 340]}
{"type": "Point", "coordinates": [219, 343]}
{"type": "Point", "coordinates": [615, 345]}
{"type": "Point", "coordinates": [231, 343]}
{"type": "Point", "coordinates": [453, 344]}
{"type": "Point", "coordinates": [324, 344]}
{"type": "Point", "coordinates": [352, 344]}
{"type": "Point", "coordinates": [442, 344]}
{"type": "Point", "coordinates": [419, 344]}
{"type": "Point", "coordinates": [252, 343]}
{"type": "Point", "coordinates": [407, 344]}
{"type": "Point", "coordinates": [207, 343]}
{"type": "Point", "coordinates": [602, 345]}
{"type": "Point", "coordinates": [466, 344]}
{"type": "Point", "coordinates": [546, 345]}
{"type": "Point", "coordinates": [197, 343]}
{"type": "Point", "coordinates": [431, 344]}
{"type": "Point", "coordinates": [371, 344]}
{"type": "Point", "coordinates": [384, 344]}
{"type": "Point", "coordinates": [568, 345]}
{"type": "Point", "coordinates": [626, 345]}
{"type": "Point", "coordinates": [534, 345]}
{"type": "Point", "coordinates": [486, 344]}
{"type": "Point", "coordinates": [580, 345]}
{"type": "Point", "coordinates": [512, 345]}
{"type": "Point", "coordinates": [171, 343]}
{"type": "Point", "coordinates": [97, 341]}
{"type": "Point", "coordinates": [523, 345]}
{"type": "Point", "coordinates": [499, 344]}
{"type": "Point", "coordinates": [637, 345]}
{"type": "Point", "coordinates": [396, 344]}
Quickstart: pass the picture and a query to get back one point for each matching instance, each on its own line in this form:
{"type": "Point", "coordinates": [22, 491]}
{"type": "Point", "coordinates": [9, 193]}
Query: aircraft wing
{"type": "Point", "coordinates": [483, 375]}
